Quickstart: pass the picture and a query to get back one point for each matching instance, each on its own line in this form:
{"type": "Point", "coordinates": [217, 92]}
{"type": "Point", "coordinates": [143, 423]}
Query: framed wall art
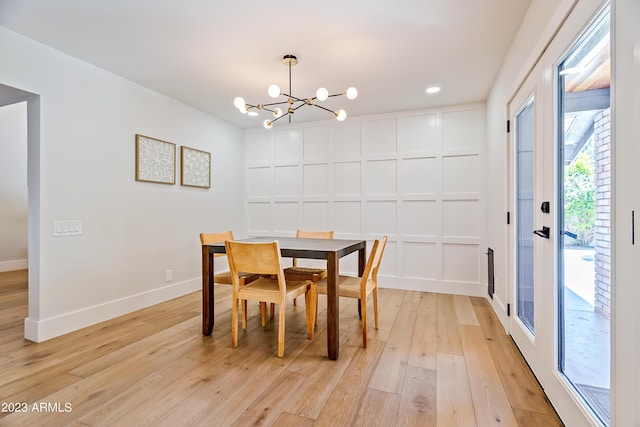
{"type": "Point", "coordinates": [155, 160]}
{"type": "Point", "coordinates": [195, 167]}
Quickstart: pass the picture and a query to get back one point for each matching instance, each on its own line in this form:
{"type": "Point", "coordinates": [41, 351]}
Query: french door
{"type": "Point", "coordinates": [550, 141]}
{"type": "Point", "coordinates": [527, 172]}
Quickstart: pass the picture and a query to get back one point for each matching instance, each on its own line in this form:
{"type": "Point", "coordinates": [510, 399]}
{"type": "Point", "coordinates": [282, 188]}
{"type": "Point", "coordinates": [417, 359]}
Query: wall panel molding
{"type": "Point", "coordinates": [415, 176]}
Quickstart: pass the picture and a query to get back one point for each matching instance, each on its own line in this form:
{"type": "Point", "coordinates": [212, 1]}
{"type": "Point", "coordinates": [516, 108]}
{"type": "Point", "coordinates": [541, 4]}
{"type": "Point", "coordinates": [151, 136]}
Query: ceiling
{"type": "Point", "coordinates": [205, 53]}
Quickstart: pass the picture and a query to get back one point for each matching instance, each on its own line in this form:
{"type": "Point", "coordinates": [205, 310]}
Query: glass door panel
{"type": "Point", "coordinates": [525, 162]}
{"type": "Point", "coordinates": [584, 198]}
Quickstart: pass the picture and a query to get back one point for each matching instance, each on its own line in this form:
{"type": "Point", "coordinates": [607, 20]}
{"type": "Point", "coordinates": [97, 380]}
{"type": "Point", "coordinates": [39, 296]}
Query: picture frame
{"type": "Point", "coordinates": [195, 167]}
{"type": "Point", "coordinates": [155, 160]}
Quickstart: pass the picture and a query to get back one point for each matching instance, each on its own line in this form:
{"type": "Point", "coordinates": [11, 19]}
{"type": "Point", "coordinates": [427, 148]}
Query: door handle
{"type": "Point", "coordinates": [545, 232]}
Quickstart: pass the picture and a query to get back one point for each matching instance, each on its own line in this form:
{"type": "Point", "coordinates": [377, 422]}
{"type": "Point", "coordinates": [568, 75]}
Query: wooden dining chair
{"type": "Point", "coordinates": [361, 287]}
{"type": "Point", "coordinates": [271, 287]}
{"type": "Point", "coordinates": [297, 272]}
{"type": "Point", "coordinates": [224, 277]}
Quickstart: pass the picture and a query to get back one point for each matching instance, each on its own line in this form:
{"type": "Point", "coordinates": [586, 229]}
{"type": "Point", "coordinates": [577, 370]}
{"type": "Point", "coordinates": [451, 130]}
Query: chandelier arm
{"type": "Point", "coordinates": [274, 103]}
{"type": "Point", "coordinates": [326, 109]}
{"type": "Point", "coordinates": [337, 94]}
{"type": "Point", "coordinates": [278, 118]}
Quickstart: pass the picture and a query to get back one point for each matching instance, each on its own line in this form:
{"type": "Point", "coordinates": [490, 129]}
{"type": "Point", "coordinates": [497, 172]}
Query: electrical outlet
{"type": "Point", "coordinates": [168, 275]}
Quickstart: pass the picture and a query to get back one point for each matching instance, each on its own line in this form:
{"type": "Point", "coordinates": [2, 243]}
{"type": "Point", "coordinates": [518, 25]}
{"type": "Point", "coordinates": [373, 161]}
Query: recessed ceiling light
{"type": "Point", "coordinates": [433, 89]}
{"type": "Point", "coordinates": [252, 113]}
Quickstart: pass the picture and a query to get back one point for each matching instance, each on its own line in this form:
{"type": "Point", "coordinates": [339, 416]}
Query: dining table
{"type": "Point", "coordinates": [330, 250]}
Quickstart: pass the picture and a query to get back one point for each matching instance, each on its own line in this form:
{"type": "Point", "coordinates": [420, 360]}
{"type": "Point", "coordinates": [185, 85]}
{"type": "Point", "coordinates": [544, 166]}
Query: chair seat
{"type": "Point", "coordinates": [224, 277]}
{"type": "Point", "coordinates": [305, 273]}
{"type": "Point", "coordinates": [265, 289]}
{"type": "Point", "coordinates": [348, 286]}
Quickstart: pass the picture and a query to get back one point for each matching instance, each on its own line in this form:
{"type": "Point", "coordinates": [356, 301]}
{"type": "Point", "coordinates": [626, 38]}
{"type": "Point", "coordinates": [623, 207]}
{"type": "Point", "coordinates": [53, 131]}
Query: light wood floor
{"type": "Point", "coordinates": [437, 360]}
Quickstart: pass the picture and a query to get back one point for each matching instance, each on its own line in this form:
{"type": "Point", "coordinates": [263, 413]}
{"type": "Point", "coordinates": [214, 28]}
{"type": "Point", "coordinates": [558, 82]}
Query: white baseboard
{"type": "Point", "coordinates": [16, 264]}
{"type": "Point", "coordinates": [438, 286]}
{"type": "Point", "coordinates": [45, 329]}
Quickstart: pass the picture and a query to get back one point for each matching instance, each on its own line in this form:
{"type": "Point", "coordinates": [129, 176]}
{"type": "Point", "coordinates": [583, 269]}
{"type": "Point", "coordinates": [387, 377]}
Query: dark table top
{"type": "Point", "coordinates": [301, 247]}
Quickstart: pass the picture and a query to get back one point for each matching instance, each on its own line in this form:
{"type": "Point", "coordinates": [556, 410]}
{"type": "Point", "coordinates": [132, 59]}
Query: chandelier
{"type": "Point", "coordinates": [293, 103]}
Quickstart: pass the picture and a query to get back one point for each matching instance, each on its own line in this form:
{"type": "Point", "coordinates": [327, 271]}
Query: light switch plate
{"type": "Point", "coordinates": [67, 228]}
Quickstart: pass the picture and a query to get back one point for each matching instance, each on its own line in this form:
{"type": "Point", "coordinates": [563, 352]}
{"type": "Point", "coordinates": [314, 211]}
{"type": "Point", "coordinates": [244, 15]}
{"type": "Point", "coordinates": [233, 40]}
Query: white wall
{"type": "Point", "coordinates": [413, 176]}
{"type": "Point", "coordinates": [13, 187]}
{"type": "Point", "coordinates": [133, 231]}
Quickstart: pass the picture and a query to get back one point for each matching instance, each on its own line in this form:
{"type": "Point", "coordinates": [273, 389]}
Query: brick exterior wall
{"type": "Point", "coordinates": [602, 226]}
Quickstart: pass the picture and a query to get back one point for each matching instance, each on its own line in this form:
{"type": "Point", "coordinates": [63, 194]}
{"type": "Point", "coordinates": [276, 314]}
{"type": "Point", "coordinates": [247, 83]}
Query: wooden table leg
{"type": "Point", "coordinates": [362, 261]}
{"type": "Point", "coordinates": [207, 291]}
{"type": "Point", "coordinates": [333, 309]}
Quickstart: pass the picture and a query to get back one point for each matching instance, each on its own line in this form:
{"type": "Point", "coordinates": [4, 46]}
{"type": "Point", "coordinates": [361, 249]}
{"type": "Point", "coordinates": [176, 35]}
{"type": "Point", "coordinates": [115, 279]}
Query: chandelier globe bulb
{"type": "Point", "coordinates": [322, 94]}
{"type": "Point", "coordinates": [238, 102]}
{"type": "Point", "coordinates": [274, 91]}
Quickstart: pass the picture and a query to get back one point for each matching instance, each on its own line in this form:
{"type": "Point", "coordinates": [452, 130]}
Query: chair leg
{"type": "Point", "coordinates": [295, 301]}
{"type": "Point", "coordinates": [272, 311]}
{"type": "Point", "coordinates": [311, 303]}
{"type": "Point", "coordinates": [234, 323]}
{"type": "Point", "coordinates": [375, 307]}
{"type": "Point", "coordinates": [364, 320]}
{"type": "Point", "coordinates": [263, 313]}
{"type": "Point", "coordinates": [359, 310]}
{"type": "Point", "coordinates": [244, 314]}
{"type": "Point", "coordinates": [281, 313]}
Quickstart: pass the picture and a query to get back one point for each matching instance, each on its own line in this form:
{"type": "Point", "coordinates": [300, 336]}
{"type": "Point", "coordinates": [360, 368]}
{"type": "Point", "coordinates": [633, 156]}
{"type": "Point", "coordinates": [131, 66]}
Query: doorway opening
{"type": "Point", "coordinates": [9, 96]}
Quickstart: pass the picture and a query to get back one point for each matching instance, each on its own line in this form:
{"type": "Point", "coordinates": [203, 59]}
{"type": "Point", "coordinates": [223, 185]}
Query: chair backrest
{"type": "Point", "coordinates": [208, 238]}
{"type": "Point", "coordinates": [373, 263]}
{"type": "Point", "coordinates": [315, 234]}
{"type": "Point", "coordinates": [258, 258]}
{"type": "Point", "coordinates": [312, 235]}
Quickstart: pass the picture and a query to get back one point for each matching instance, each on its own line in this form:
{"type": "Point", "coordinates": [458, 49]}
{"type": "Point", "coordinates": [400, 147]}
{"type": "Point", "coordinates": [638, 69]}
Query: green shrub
{"type": "Point", "coordinates": [579, 206]}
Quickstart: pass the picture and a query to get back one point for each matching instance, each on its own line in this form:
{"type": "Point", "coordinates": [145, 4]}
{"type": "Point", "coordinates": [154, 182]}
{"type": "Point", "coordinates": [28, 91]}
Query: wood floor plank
{"type": "Point", "coordinates": [286, 419]}
{"type": "Point", "coordinates": [534, 419]}
{"type": "Point", "coordinates": [265, 409]}
{"type": "Point", "coordinates": [523, 390]}
{"type": "Point", "coordinates": [418, 404]}
{"type": "Point", "coordinates": [131, 399]}
{"type": "Point", "coordinates": [489, 398]}
{"type": "Point", "coordinates": [193, 393]}
{"type": "Point", "coordinates": [390, 372]}
{"type": "Point", "coordinates": [378, 408]}
{"type": "Point", "coordinates": [464, 310]}
{"type": "Point", "coordinates": [454, 402]}
{"type": "Point", "coordinates": [345, 401]}
{"type": "Point", "coordinates": [448, 331]}
{"type": "Point", "coordinates": [321, 377]}
{"type": "Point", "coordinates": [422, 353]}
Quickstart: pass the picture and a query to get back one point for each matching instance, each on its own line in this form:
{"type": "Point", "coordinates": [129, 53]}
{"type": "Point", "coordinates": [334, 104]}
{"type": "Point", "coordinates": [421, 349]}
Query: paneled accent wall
{"type": "Point", "coordinates": [417, 177]}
